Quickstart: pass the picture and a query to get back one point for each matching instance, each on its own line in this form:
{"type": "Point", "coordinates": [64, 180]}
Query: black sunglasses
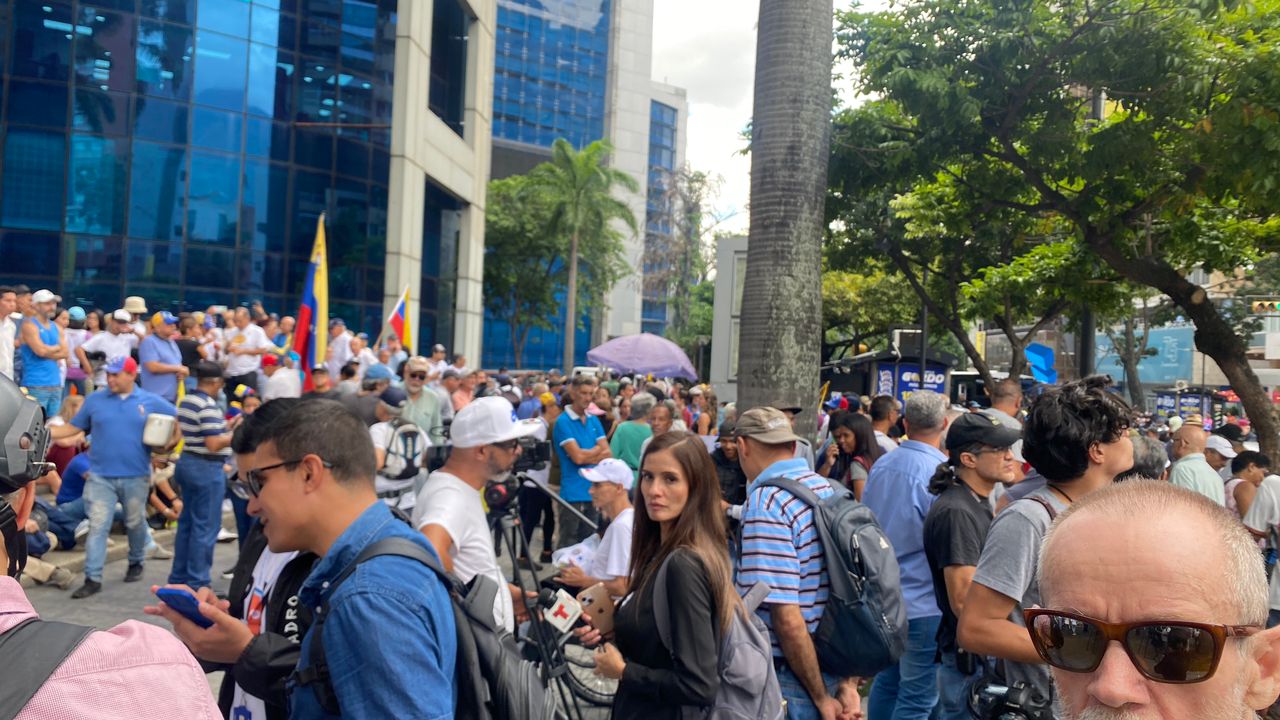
{"type": "Point", "coordinates": [251, 485]}
{"type": "Point", "coordinates": [1166, 651]}
{"type": "Point", "coordinates": [506, 444]}
{"type": "Point", "coordinates": [418, 376]}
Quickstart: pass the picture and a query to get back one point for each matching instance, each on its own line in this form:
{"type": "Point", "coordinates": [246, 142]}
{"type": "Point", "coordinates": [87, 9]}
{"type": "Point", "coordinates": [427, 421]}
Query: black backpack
{"type": "Point", "coordinates": [863, 629]}
{"type": "Point", "coordinates": [493, 681]}
{"type": "Point", "coordinates": [36, 648]}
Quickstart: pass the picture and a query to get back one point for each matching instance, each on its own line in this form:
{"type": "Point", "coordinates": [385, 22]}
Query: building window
{"type": "Point", "coordinates": [450, 25]}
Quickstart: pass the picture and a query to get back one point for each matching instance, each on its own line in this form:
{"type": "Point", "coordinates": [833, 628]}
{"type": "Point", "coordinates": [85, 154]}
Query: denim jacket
{"type": "Point", "coordinates": [390, 638]}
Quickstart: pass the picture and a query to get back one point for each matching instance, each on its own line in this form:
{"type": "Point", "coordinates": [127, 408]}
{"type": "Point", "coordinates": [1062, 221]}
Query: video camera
{"type": "Point", "coordinates": [23, 438]}
{"type": "Point", "coordinates": [1015, 701]}
{"type": "Point", "coordinates": [534, 455]}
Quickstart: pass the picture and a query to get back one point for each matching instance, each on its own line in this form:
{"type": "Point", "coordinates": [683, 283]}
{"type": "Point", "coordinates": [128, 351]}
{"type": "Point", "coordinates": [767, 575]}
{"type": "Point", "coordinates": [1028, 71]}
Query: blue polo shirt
{"type": "Point", "coordinates": [897, 491]}
{"type": "Point", "coordinates": [571, 426]}
{"type": "Point", "coordinates": [154, 349]}
{"type": "Point", "coordinates": [116, 424]}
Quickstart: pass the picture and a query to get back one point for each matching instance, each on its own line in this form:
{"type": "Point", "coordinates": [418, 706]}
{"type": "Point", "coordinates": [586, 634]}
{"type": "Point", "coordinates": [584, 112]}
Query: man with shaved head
{"type": "Point", "coordinates": [1154, 602]}
{"type": "Point", "coordinates": [1192, 471]}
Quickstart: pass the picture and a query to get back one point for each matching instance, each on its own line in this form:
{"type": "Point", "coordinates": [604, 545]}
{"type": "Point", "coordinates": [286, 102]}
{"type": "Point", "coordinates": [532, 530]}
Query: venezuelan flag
{"type": "Point", "coordinates": [311, 334]}
{"type": "Point", "coordinates": [398, 321]}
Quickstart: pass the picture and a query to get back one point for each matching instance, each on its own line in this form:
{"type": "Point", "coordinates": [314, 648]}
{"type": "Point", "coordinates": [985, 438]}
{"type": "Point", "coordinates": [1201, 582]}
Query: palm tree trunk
{"type": "Point", "coordinates": [781, 335]}
{"type": "Point", "coordinates": [571, 306]}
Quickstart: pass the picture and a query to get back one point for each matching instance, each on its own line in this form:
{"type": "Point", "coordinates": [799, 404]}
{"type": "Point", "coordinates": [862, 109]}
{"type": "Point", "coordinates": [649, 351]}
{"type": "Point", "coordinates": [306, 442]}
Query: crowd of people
{"type": "Point", "coordinates": [1045, 548]}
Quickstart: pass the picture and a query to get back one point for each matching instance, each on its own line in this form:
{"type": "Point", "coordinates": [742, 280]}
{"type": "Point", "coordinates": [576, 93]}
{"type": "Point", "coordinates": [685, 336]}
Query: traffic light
{"type": "Point", "coordinates": [1265, 307]}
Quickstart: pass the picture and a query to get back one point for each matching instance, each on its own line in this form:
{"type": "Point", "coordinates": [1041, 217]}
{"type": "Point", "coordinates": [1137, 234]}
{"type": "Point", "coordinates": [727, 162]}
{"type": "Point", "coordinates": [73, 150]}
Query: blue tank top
{"type": "Point", "coordinates": [38, 371]}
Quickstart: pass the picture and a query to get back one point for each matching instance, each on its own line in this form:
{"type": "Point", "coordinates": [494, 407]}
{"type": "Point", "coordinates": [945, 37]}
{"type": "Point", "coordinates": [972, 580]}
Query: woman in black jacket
{"type": "Point", "coordinates": [679, 518]}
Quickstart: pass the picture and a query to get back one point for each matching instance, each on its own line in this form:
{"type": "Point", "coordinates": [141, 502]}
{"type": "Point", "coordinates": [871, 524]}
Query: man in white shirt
{"type": "Point", "coordinates": [610, 489]}
{"type": "Point", "coordinates": [282, 380]}
{"type": "Point", "coordinates": [1261, 521]}
{"type": "Point", "coordinates": [399, 449]}
{"type": "Point", "coordinates": [436, 365]}
{"type": "Point", "coordinates": [244, 345]}
{"type": "Point", "coordinates": [8, 329]}
{"type": "Point", "coordinates": [117, 341]}
{"type": "Point", "coordinates": [448, 510]}
{"type": "Point", "coordinates": [339, 346]}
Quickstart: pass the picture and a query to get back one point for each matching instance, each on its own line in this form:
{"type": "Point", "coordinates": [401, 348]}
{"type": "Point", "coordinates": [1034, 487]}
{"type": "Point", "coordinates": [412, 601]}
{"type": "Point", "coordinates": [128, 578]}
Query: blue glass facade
{"type": "Point", "coordinates": [551, 71]}
{"type": "Point", "coordinates": [550, 81]}
{"type": "Point", "coordinates": [183, 150]}
{"type": "Point", "coordinates": [658, 228]}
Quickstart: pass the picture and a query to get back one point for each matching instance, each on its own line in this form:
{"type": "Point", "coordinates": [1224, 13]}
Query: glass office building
{"type": "Point", "coordinates": [658, 225]}
{"type": "Point", "coordinates": [183, 150]}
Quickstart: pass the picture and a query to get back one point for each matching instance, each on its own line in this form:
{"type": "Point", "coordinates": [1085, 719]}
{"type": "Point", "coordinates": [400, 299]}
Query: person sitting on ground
{"type": "Point", "coordinates": [1153, 605]}
{"type": "Point", "coordinates": [611, 481]}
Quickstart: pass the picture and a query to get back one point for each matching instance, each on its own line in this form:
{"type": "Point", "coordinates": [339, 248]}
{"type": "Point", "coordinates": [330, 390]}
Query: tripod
{"type": "Point", "coordinates": [550, 648]}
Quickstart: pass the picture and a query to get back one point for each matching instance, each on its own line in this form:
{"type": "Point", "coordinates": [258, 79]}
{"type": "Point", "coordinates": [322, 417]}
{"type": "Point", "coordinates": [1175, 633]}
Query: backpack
{"type": "Point", "coordinates": [404, 452]}
{"type": "Point", "coordinates": [493, 681]}
{"type": "Point", "coordinates": [748, 681]}
{"type": "Point", "coordinates": [863, 629]}
{"type": "Point", "coordinates": [42, 647]}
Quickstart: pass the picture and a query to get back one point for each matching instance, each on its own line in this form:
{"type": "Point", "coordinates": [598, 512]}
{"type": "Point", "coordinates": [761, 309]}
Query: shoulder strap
{"type": "Point", "coordinates": [317, 673]}
{"type": "Point", "coordinates": [43, 647]}
{"type": "Point", "coordinates": [661, 607]}
{"type": "Point", "coordinates": [796, 488]}
{"type": "Point", "coordinates": [1044, 504]}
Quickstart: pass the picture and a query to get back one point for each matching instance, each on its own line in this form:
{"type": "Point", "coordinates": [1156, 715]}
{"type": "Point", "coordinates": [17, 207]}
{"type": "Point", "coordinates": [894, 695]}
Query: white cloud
{"type": "Point", "coordinates": [708, 47]}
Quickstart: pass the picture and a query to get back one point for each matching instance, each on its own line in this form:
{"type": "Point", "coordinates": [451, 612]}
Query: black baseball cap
{"type": "Point", "coordinates": [207, 369]}
{"type": "Point", "coordinates": [980, 429]}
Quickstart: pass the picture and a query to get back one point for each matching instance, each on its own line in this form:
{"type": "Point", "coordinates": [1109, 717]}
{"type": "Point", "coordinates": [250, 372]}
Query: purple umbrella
{"type": "Point", "coordinates": [644, 354]}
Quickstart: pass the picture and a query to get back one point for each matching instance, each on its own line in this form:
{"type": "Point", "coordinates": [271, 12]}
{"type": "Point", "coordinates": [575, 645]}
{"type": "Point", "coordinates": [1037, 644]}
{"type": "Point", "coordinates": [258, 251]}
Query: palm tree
{"type": "Point", "coordinates": [582, 187]}
{"type": "Point", "coordinates": [781, 330]}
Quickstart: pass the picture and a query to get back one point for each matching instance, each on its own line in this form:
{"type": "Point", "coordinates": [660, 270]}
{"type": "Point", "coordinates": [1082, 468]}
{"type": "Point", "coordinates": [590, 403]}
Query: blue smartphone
{"type": "Point", "coordinates": [185, 604]}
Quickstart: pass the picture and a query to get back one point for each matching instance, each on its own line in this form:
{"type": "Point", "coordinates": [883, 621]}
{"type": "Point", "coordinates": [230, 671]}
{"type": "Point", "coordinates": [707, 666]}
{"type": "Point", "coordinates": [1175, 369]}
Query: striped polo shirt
{"type": "Point", "coordinates": [780, 546]}
{"type": "Point", "coordinates": [200, 417]}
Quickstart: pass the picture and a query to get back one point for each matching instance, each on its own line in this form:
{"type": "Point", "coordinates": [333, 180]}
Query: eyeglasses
{"type": "Point", "coordinates": [506, 444]}
{"type": "Point", "coordinates": [1166, 651]}
{"type": "Point", "coordinates": [418, 376]}
{"type": "Point", "coordinates": [251, 485]}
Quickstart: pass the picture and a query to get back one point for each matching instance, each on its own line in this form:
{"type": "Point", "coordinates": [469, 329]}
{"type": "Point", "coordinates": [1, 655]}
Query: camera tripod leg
{"type": "Point", "coordinates": [553, 666]}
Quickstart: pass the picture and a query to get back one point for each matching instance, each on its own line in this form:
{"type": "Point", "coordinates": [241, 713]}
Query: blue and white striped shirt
{"type": "Point", "coordinates": [200, 417]}
{"type": "Point", "coordinates": [780, 546]}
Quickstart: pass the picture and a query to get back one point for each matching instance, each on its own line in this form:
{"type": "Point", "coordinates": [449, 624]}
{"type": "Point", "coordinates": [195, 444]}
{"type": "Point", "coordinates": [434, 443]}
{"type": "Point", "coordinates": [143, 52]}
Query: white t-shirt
{"type": "Point", "coordinates": [111, 345]}
{"type": "Point", "coordinates": [75, 338]}
{"type": "Point", "coordinates": [250, 338]}
{"type": "Point", "coordinates": [1264, 516]}
{"type": "Point", "coordinates": [382, 434]}
{"type": "Point", "coordinates": [614, 553]}
{"type": "Point", "coordinates": [455, 506]}
{"type": "Point", "coordinates": [437, 369]}
{"type": "Point", "coordinates": [8, 331]}
{"type": "Point", "coordinates": [366, 358]}
{"type": "Point", "coordinates": [265, 573]}
{"type": "Point", "coordinates": [339, 353]}
{"type": "Point", "coordinates": [286, 383]}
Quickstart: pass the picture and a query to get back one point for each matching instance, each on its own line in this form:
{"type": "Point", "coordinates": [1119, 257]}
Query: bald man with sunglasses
{"type": "Point", "coordinates": [1154, 603]}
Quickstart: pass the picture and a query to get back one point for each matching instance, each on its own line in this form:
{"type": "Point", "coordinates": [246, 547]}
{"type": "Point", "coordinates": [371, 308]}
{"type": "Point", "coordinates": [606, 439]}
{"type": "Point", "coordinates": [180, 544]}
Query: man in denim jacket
{"type": "Point", "coordinates": [389, 637]}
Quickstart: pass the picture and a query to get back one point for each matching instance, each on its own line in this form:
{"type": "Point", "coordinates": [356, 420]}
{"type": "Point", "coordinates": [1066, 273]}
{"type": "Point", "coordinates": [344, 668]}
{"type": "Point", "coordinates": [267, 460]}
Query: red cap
{"type": "Point", "coordinates": [270, 360]}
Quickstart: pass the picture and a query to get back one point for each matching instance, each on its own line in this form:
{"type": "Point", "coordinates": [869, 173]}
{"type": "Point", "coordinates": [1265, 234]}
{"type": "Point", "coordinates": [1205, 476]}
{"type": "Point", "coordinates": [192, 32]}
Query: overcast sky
{"type": "Point", "coordinates": [708, 47]}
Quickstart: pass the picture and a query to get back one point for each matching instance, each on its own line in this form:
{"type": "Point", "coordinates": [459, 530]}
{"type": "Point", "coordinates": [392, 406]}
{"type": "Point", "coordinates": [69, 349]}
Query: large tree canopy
{"type": "Point", "coordinates": [1143, 133]}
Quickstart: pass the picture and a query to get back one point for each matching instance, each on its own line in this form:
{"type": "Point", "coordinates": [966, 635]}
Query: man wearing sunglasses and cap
{"type": "Point", "coordinates": [1154, 602]}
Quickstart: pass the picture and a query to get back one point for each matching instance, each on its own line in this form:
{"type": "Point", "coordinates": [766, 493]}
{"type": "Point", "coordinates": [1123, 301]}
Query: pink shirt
{"type": "Point", "coordinates": [134, 670]}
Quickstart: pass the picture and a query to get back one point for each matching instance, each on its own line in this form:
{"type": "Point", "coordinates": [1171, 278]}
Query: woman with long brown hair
{"type": "Point", "coordinates": [678, 518]}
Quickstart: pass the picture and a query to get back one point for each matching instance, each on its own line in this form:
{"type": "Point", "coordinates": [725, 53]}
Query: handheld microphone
{"type": "Point", "coordinates": [561, 609]}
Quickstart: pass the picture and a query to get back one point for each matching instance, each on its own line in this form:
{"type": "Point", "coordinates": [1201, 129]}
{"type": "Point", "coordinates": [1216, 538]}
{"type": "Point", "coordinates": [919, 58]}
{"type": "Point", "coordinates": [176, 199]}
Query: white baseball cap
{"type": "Point", "coordinates": [486, 421]}
{"type": "Point", "coordinates": [610, 470]}
{"type": "Point", "coordinates": [1221, 445]}
{"type": "Point", "coordinates": [44, 296]}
